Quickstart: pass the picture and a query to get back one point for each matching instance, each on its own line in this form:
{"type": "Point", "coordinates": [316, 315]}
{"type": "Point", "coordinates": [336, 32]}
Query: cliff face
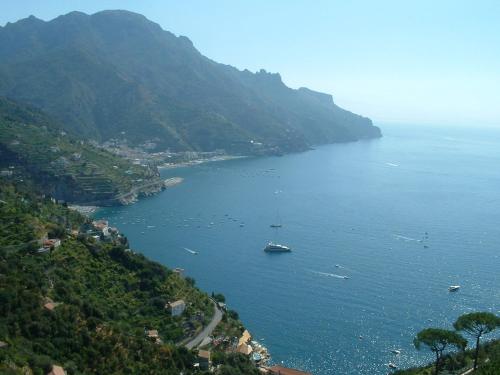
{"type": "Point", "coordinates": [116, 74]}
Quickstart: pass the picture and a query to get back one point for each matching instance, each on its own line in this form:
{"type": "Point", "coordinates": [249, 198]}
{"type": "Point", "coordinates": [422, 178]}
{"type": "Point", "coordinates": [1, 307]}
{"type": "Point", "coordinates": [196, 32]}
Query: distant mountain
{"type": "Point", "coordinates": [115, 74]}
{"type": "Point", "coordinates": [35, 150]}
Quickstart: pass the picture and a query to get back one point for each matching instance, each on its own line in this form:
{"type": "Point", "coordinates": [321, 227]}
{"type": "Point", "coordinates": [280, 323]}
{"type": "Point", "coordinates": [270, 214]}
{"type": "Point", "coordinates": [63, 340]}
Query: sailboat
{"type": "Point", "coordinates": [274, 247]}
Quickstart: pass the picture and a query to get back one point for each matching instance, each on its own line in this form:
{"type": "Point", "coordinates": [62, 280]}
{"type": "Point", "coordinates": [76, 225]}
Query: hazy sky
{"type": "Point", "coordinates": [435, 62]}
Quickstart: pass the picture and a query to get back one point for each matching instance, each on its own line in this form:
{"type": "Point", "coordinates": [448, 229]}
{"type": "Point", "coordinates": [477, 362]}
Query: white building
{"type": "Point", "coordinates": [177, 307]}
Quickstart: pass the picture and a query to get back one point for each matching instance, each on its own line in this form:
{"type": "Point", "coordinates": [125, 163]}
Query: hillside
{"type": "Point", "coordinates": [115, 74]}
{"type": "Point", "coordinates": [33, 148]}
{"type": "Point", "coordinates": [460, 363]}
{"type": "Point", "coordinates": [89, 305]}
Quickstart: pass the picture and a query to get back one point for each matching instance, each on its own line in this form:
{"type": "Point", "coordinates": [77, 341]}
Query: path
{"type": "Point", "coordinates": [207, 331]}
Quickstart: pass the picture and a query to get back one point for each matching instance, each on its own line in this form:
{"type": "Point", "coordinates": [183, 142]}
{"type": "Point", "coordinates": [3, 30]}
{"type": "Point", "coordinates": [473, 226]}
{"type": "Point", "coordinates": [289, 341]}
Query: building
{"type": "Point", "coordinates": [179, 271]}
{"type": "Point", "coordinates": [280, 370]}
{"type": "Point", "coordinates": [153, 335]}
{"type": "Point", "coordinates": [245, 337]}
{"type": "Point", "coordinates": [244, 349]}
{"type": "Point", "coordinates": [50, 306]}
{"type": "Point", "coordinates": [100, 224]}
{"type": "Point", "coordinates": [52, 243]}
{"type": "Point", "coordinates": [177, 307]}
{"type": "Point", "coordinates": [57, 370]}
{"type": "Point", "coordinates": [204, 359]}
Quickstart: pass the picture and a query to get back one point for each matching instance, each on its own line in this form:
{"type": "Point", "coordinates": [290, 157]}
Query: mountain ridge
{"type": "Point", "coordinates": [115, 71]}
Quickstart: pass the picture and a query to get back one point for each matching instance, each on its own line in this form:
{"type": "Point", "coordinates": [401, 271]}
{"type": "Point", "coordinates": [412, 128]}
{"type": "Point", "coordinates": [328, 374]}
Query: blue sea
{"type": "Point", "coordinates": [402, 217]}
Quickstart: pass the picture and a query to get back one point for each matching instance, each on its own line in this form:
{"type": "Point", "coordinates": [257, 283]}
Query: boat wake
{"type": "Point", "coordinates": [404, 238]}
{"type": "Point", "coordinates": [330, 275]}
{"type": "Point", "coordinates": [190, 251]}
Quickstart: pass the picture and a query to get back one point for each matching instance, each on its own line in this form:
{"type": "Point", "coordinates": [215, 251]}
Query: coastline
{"type": "Point", "coordinates": [195, 162]}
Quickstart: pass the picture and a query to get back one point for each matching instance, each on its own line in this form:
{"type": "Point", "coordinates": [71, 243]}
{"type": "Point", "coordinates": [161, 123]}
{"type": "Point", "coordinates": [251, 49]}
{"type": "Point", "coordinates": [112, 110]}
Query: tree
{"type": "Point", "coordinates": [438, 340]}
{"type": "Point", "coordinates": [477, 324]}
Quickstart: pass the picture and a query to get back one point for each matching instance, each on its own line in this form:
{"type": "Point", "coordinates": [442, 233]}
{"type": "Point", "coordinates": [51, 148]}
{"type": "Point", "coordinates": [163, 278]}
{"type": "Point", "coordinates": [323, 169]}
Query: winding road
{"type": "Point", "coordinates": [207, 331]}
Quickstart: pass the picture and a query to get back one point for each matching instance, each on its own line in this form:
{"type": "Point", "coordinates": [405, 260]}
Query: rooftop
{"type": "Point", "coordinates": [204, 354]}
{"type": "Point", "coordinates": [280, 370]}
{"type": "Point", "coordinates": [177, 303]}
{"type": "Point", "coordinates": [57, 370]}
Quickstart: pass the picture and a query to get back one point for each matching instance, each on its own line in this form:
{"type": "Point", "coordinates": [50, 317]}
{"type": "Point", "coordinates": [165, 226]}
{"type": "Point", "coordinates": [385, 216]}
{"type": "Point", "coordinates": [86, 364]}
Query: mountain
{"type": "Point", "coordinates": [34, 149]}
{"type": "Point", "coordinates": [115, 74]}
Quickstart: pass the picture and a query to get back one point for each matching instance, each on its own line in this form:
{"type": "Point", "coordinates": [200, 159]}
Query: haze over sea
{"type": "Point", "coordinates": [359, 210]}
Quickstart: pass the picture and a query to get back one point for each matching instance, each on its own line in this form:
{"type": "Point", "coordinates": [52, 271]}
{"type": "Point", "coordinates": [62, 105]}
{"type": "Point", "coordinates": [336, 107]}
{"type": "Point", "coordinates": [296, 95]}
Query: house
{"type": "Point", "coordinates": [100, 224]}
{"type": "Point", "coordinates": [176, 308]}
{"type": "Point", "coordinates": [57, 370]}
{"type": "Point", "coordinates": [179, 271]}
{"type": "Point", "coordinates": [245, 337]}
{"type": "Point", "coordinates": [50, 305]}
{"type": "Point", "coordinates": [204, 359]}
{"type": "Point", "coordinates": [52, 243]}
{"type": "Point", "coordinates": [244, 348]}
{"type": "Point", "coordinates": [153, 335]}
{"type": "Point", "coordinates": [280, 370]}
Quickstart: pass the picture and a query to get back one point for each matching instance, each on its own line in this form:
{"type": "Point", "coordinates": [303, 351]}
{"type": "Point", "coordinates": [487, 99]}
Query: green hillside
{"type": "Point", "coordinates": [34, 148]}
{"type": "Point", "coordinates": [87, 305]}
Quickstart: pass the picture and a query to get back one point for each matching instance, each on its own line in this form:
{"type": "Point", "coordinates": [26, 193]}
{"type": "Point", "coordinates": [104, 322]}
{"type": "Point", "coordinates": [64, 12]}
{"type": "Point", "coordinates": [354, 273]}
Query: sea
{"type": "Point", "coordinates": [379, 230]}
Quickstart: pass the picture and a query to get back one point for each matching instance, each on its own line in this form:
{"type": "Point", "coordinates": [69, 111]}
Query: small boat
{"type": "Point", "coordinates": [276, 248]}
{"type": "Point", "coordinates": [275, 225]}
{"type": "Point", "coordinates": [396, 351]}
{"type": "Point", "coordinates": [453, 288]}
{"type": "Point", "coordinates": [392, 365]}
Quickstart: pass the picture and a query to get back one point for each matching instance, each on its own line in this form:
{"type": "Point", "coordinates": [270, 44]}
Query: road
{"type": "Point", "coordinates": [207, 331]}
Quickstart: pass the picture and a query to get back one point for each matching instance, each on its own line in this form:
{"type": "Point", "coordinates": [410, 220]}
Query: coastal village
{"type": "Point", "coordinates": [204, 340]}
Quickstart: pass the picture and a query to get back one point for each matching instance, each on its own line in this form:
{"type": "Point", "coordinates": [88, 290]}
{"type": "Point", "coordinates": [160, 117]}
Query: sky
{"type": "Point", "coordinates": [419, 62]}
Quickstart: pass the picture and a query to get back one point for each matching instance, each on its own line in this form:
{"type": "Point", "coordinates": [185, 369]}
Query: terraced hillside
{"type": "Point", "coordinates": [34, 148]}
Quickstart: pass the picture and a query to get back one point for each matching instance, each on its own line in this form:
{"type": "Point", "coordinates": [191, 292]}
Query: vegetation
{"type": "Point", "coordinates": [34, 148]}
{"type": "Point", "coordinates": [477, 324]}
{"type": "Point", "coordinates": [457, 363]}
{"type": "Point", "coordinates": [116, 74]}
{"type": "Point", "coordinates": [88, 305]}
{"type": "Point", "coordinates": [438, 340]}
{"type": "Point", "coordinates": [233, 364]}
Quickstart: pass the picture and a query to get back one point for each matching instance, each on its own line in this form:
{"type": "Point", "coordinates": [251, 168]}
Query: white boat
{"type": "Point", "coordinates": [276, 248]}
{"type": "Point", "coordinates": [396, 351]}
{"type": "Point", "coordinates": [392, 365]}
{"type": "Point", "coordinates": [453, 288]}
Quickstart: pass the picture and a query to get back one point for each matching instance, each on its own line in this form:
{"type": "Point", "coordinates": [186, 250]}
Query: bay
{"type": "Point", "coordinates": [379, 230]}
